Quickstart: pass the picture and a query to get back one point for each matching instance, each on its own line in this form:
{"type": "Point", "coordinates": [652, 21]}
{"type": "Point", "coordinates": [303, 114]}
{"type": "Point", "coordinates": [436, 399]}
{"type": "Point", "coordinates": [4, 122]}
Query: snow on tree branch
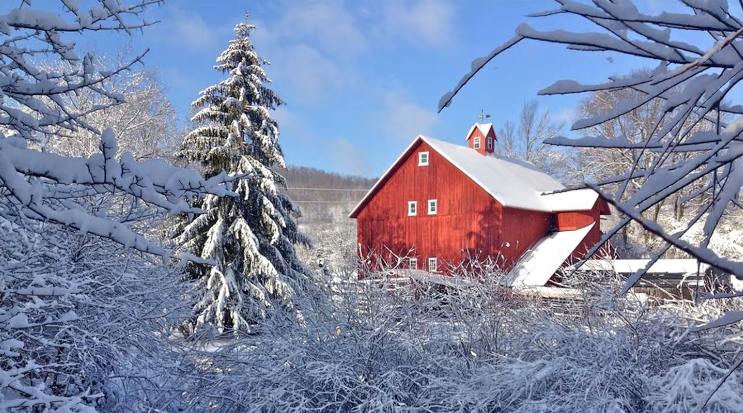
{"type": "Point", "coordinates": [40, 72]}
{"type": "Point", "coordinates": [152, 181]}
{"type": "Point", "coordinates": [33, 106]}
{"type": "Point", "coordinates": [695, 139]}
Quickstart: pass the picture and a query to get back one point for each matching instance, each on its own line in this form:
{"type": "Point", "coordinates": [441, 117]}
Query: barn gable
{"type": "Point", "coordinates": [466, 217]}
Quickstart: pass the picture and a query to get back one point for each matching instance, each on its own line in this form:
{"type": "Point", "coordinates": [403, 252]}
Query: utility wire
{"type": "Point", "coordinates": [325, 202]}
{"type": "Point", "coordinates": [328, 189]}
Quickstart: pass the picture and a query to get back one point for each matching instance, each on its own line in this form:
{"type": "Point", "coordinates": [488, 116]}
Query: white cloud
{"type": "Point", "coordinates": [318, 47]}
{"type": "Point", "coordinates": [334, 154]}
{"type": "Point", "coordinates": [190, 32]}
{"type": "Point", "coordinates": [565, 116]}
{"type": "Point", "coordinates": [326, 24]}
{"type": "Point", "coordinates": [317, 50]}
{"type": "Point", "coordinates": [310, 76]}
{"type": "Point", "coordinates": [313, 48]}
{"type": "Point", "coordinates": [286, 119]}
{"type": "Point", "coordinates": [404, 120]}
{"type": "Point", "coordinates": [429, 22]}
{"type": "Point", "coordinates": [349, 159]}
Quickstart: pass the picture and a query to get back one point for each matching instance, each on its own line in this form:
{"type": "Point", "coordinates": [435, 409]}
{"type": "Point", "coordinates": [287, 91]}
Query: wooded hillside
{"type": "Point", "coordinates": [324, 196]}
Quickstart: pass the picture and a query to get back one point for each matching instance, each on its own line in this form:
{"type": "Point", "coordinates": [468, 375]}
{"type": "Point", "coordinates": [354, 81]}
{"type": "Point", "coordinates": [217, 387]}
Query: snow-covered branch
{"type": "Point", "coordinates": [41, 79]}
{"type": "Point", "coordinates": [683, 138]}
{"type": "Point", "coordinates": [152, 181]}
{"type": "Point", "coordinates": [33, 104]}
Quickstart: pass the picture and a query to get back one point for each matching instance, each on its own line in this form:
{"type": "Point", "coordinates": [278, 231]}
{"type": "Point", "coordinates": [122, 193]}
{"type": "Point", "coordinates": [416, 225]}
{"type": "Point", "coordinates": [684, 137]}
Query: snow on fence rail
{"type": "Point", "coordinates": [673, 274]}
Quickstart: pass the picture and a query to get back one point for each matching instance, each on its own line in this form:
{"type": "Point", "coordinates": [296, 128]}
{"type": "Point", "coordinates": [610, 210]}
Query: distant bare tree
{"type": "Point", "coordinates": [144, 124]}
{"type": "Point", "coordinates": [525, 141]}
{"type": "Point", "coordinates": [534, 128]}
{"type": "Point", "coordinates": [506, 142]}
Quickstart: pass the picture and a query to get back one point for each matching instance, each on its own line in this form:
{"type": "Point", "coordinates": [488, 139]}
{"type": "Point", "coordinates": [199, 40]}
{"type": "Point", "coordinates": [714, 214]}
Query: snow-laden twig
{"type": "Point", "coordinates": [690, 152]}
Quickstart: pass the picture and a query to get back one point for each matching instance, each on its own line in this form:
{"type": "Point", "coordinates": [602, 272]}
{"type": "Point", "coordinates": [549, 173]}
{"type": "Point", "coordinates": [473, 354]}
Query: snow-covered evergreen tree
{"type": "Point", "coordinates": [251, 238]}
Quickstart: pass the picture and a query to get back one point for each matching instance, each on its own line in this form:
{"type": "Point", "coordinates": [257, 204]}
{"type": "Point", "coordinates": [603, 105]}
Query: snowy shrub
{"type": "Point", "coordinates": [333, 253]}
{"type": "Point", "coordinates": [77, 316]}
{"type": "Point", "coordinates": [685, 386]}
{"type": "Point", "coordinates": [469, 350]}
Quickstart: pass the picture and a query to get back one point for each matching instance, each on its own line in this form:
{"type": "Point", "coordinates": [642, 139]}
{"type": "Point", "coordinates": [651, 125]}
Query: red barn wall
{"type": "Point", "coordinates": [522, 229]}
{"type": "Point", "coordinates": [572, 220]}
{"type": "Point", "coordinates": [467, 217]}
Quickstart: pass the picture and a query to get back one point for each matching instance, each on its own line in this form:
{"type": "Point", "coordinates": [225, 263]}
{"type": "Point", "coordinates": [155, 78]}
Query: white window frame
{"type": "Point", "coordinates": [433, 206]}
{"type": "Point", "coordinates": [421, 156]}
{"type": "Point", "coordinates": [476, 145]}
{"type": "Point", "coordinates": [434, 267]}
{"type": "Point", "coordinates": [413, 263]}
{"type": "Point", "coordinates": [412, 208]}
{"type": "Point", "coordinates": [490, 142]}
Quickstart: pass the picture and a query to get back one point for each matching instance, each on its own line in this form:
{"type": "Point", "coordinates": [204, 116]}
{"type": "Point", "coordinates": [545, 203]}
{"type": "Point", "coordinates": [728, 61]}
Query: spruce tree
{"type": "Point", "coordinates": [251, 237]}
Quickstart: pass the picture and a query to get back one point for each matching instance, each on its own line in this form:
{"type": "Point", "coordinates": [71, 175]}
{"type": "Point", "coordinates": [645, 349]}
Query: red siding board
{"type": "Point", "coordinates": [592, 238]}
{"type": "Point", "coordinates": [572, 220]}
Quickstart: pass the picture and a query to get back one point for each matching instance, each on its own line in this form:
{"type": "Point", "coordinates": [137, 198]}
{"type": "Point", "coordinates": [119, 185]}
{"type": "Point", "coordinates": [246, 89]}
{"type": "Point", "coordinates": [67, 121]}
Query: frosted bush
{"type": "Point", "coordinates": [369, 350]}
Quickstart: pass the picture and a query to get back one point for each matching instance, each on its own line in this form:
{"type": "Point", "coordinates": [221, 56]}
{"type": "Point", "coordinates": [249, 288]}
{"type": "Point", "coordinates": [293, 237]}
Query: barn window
{"type": "Point", "coordinates": [477, 143]}
{"type": "Point", "coordinates": [490, 143]}
{"type": "Point", "coordinates": [432, 264]}
{"type": "Point", "coordinates": [413, 263]}
{"type": "Point", "coordinates": [432, 206]}
{"type": "Point", "coordinates": [412, 208]}
{"type": "Point", "coordinates": [422, 158]}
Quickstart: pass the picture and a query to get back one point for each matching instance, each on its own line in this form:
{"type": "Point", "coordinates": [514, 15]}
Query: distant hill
{"type": "Point", "coordinates": [324, 196]}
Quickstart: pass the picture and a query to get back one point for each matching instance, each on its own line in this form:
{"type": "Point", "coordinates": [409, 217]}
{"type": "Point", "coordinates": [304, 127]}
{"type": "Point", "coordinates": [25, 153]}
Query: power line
{"type": "Point", "coordinates": [325, 202]}
{"type": "Point", "coordinates": [329, 189]}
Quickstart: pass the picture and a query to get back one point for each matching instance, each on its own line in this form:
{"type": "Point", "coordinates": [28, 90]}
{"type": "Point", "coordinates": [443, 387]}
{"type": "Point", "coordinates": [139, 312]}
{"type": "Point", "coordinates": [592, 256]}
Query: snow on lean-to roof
{"type": "Point", "coordinates": [541, 261]}
{"type": "Point", "coordinates": [513, 183]}
{"type": "Point", "coordinates": [575, 200]}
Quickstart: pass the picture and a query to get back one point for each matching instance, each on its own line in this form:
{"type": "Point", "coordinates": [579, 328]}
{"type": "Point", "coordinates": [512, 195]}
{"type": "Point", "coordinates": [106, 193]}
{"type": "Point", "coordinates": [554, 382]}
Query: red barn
{"type": "Point", "coordinates": [440, 203]}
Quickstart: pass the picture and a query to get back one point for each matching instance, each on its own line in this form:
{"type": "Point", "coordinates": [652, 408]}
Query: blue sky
{"type": "Point", "coordinates": [362, 78]}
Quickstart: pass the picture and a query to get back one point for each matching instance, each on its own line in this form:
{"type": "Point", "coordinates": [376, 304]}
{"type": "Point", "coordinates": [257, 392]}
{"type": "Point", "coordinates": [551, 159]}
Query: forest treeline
{"type": "Point", "coordinates": [324, 196]}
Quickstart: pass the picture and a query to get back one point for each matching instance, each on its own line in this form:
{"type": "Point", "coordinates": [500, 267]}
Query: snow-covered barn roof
{"type": "Point", "coordinates": [511, 182]}
{"type": "Point", "coordinates": [542, 260]}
